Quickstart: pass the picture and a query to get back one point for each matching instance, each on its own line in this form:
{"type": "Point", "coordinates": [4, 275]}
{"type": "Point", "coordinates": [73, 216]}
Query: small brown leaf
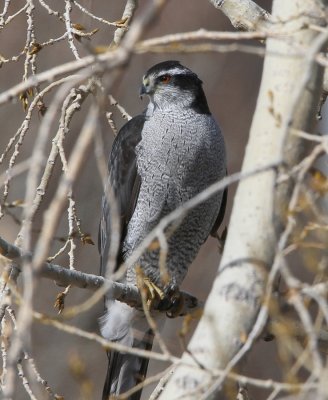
{"type": "Point", "coordinates": [41, 107]}
{"type": "Point", "coordinates": [78, 27]}
{"type": "Point", "coordinates": [36, 47]}
{"type": "Point", "coordinates": [75, 234]}
{"type": "Point", "coordinates": [60, 302]}
{"type": "Point", "coordinates": [121, 22]}
{"type": "Point", "coordinates": [154, 245]}
{"type": "Point", "coordinates": [319, 181]}
{"type": "Point", "coordinates": [15, 203]}
{"type": "Point", "coordinates": [29, 92]}
{"type": "Point", "coordinates": [87, 239]}
{"type": "Point", "coordinates": [23, 97]}
{"type": "Point", "coordinates": [24, 100]}
{"type": "Point", "coordinates": [78, 34]}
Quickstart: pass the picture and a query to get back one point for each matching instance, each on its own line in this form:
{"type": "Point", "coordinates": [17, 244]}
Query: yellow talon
{"type": "Point", "coordinates": [153, 289]}
{"type": "Point", "coordinates": [150, 290]}
{"type": "Point", "coordinates": [153, 292]}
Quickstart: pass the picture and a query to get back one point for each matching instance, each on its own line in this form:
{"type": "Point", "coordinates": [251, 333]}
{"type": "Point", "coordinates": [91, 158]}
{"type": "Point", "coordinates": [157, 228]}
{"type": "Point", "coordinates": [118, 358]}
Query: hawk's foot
{"type": "Point", "coordinates": [169, 299]}
{"type": "Point", "coordinates": [154, 294]}
{"type": "Point", "coordinates": [151, 294]}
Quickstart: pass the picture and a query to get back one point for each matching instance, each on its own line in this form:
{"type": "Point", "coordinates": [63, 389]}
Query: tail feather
{"type": "Point", "coordinates": [126, 370]}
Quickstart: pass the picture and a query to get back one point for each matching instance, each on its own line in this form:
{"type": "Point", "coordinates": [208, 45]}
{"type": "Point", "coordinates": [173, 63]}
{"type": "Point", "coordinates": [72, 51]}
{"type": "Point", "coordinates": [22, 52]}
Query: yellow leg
{"type": "Point", "coordinates": [151, 291]}
{"type": "Point", "coordinates": [171, 302]}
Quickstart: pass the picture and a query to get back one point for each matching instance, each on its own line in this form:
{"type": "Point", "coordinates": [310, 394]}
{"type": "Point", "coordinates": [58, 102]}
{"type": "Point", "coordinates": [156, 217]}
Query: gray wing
{"type": "Point", "coordinates": [124, 180]}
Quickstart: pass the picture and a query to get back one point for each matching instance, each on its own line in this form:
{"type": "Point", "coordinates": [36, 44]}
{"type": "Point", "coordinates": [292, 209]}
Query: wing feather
{"type": "Point", "coordinates": [125, 181]}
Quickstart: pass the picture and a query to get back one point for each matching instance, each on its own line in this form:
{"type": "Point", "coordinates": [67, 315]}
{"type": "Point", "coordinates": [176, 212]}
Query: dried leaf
{"type": "Point", "coordinates": [86, 35]}
{"type": "Point", "coordinates": [319, 181]}
{"type": "Point", "coordinates": [36, 47]}
{"type": "Point", "coordinates": [121, 22]}
{"type": "Point", "coordinates": [75, 234]}
{"type": "Point", "coordinates": [15, 203]}
{"type": "Point", "coordinates": [87, 239]}
{"type": "Point", "coordinates": [23, 97]}
{"type": "Point", "coordinates": [41, 107]}
{"type": "Point", "coordinates": [29, 92]}
{"type": "Point", "coordinates": [78, 27]}
{"type": "Point", "coordinates": [154, 245]}
{"type": "Point", "coordinates": [60, 302]}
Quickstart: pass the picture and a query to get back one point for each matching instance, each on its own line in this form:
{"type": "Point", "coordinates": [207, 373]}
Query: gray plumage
{"type": "Point", "coordinates": [159, 160]}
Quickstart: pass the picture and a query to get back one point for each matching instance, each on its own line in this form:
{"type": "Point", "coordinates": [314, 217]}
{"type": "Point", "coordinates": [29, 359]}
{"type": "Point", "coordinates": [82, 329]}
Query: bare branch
{"type": "Point", "coordinates": [127, 15]}
{"type": "Point", "coordinates": [63, 276]}
{"type": "Point", "coordinates": [244, 14]}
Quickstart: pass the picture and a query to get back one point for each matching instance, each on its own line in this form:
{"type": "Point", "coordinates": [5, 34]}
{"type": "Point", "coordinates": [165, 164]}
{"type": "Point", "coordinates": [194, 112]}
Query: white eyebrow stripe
{"type": "Point", "coordinates": [173, 71]}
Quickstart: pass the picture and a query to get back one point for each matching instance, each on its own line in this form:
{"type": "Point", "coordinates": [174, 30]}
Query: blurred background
{"type": "Point", "coordinates": [75, 368]}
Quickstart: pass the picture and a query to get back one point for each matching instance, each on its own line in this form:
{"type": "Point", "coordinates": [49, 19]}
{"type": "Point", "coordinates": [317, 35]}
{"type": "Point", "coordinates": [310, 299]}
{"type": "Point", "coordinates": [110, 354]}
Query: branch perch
{"type": "Point", "coordinates": [128, 294]}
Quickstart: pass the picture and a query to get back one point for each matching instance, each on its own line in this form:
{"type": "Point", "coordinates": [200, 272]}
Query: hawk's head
{"type": "Point", "coordinates": [171, 84]}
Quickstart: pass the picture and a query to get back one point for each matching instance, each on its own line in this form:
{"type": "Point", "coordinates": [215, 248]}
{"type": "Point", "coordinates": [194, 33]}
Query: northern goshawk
{"type": "Point", "coordinates": [159, 160]}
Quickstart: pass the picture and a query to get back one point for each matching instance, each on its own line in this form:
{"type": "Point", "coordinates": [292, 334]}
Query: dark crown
{"type": "Point", "coordinates": [164, 66]}
{"type": "Point", "coordinates": [184, 79]}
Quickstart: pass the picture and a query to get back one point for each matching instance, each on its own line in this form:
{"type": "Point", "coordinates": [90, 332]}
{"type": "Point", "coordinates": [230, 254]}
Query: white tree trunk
{"type": "Point", "coordinates": [289, 94]}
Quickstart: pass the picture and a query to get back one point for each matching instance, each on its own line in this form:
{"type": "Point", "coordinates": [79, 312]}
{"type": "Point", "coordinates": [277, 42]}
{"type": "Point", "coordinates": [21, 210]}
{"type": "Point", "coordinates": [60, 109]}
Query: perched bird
{"type": "Point", "coordinates": [159, 160]}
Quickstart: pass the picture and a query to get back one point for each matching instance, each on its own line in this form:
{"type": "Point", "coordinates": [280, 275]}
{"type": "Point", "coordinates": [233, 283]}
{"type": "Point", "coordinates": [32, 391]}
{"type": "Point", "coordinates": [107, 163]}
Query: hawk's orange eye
{"type": "Point", "coordinates": [165, 78]}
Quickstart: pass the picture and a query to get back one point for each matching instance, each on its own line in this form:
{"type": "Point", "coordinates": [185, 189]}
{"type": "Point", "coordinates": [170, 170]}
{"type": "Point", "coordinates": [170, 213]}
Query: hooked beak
{"type": "Point", "coordinates": [145, 87]}
{"type": "Point", "coordinates": [142, 91]}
